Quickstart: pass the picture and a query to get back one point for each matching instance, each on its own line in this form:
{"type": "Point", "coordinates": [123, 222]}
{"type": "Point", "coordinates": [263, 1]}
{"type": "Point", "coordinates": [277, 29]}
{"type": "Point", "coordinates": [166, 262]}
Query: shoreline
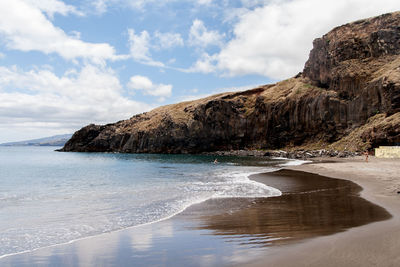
{"type": "Point", "coordinates": [373, 244]}
{"type": "Point", "coordinates": [240, 221]}
{"type": "Point", "coordinates": [200, 202]}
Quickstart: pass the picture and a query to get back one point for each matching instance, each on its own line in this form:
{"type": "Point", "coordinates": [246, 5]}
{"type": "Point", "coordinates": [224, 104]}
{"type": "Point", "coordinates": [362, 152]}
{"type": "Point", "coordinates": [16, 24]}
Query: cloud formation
{"type": "Point", "coordinates": [78, 97]}
{"type": "Point", "coordinates": [205, 64]}
{"type": "Point", "coordinates": [139, 46]}
{"type": "Point", "coordinates": [50, 7]}
{"type": "Point", "coordinates": [141, 43]}
{"type": "Point", "coordinates": [274, 38]}
{"type": "Point", "coordinates": [101, 6]}
{"type": "Point", "coordinates": [167, 40]}
{"type": "Point", "coordinates": [24, 27]}
{"type": "Point", "coordinates": [144, 84]}
{"type": "Point", "coordinates": [199, 36]}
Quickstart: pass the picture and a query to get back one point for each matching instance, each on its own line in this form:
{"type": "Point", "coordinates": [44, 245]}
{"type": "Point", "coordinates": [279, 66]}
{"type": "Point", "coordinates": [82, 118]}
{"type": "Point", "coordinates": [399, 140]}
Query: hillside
{"type": "Point", "coordinates": [56, 140]}
{"type": "Point", "coordinates": [347, 98]}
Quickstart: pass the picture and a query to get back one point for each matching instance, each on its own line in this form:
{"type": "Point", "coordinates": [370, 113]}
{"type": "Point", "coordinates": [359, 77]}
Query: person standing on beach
{"type": "Point", "coordinates": [366, 154]}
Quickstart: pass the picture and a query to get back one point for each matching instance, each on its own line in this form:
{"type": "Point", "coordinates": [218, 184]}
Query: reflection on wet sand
{"type": "Point", "coordinates": [311, 205]}
{"type": "Point", "coordinates": [223, 231]}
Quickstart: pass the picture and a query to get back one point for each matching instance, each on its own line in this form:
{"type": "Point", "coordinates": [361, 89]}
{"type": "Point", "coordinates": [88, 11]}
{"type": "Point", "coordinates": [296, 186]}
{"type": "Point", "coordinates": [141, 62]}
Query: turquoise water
{"type": "Point", "coordinates": [49, 198]}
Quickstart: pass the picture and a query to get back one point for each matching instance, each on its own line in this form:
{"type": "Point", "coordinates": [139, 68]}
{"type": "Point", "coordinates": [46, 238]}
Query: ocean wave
{"type": "Point", "coordinates": [218, 184]}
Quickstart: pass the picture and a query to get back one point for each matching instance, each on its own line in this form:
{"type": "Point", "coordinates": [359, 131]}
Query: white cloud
{"type": "Point", "coordinates": [274, 40]}
{"type": "Point", "coordinates": [140, 48]}
{"type": "Point", "coordinates": [138, 4]}
{"type": "Point", "coordinates": [253, 3]}
{"type": "Point", "coordinates": [205, 64]}
{"type": "Point", "coordinates": [25, 28]}
{"type": "Point", "coordinates": [201, 37]}
{"type": "Point", "coordinates": [50, 7]}
{"type": "Point", "coordinates": [140, 45]}
{"type": "Point", "coordinates": [140, 82]}
{"type": "Point", "coordinates": [168, 40]}
{"type": "Point", "coordinates": [148, 87]}
{"type": "Point", "coordinates": [204, 2]}
{"type": "Point", "coordinates": [45, 101]}
{"type": "Point", "coordinates": [101, 6]}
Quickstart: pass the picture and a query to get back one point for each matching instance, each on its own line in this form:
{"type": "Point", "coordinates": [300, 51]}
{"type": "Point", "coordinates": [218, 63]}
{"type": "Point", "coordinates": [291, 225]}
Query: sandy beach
{"type": "Point", "coordinates": [374, 244]}
{"type": "Point", "coordinates": [316, 221]}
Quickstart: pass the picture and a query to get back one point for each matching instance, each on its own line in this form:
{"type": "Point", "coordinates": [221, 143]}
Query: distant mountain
{"type": "Point", "coordinates": [56, 140]}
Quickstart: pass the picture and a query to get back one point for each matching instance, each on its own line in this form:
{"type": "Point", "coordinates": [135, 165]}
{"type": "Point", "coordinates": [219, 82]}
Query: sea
{"type": "Point", "coordinates": [49, 198]}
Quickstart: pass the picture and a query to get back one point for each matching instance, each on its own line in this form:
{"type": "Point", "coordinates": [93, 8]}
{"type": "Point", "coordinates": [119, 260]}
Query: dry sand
{"type": "Point", "coordinates": [375, 244]}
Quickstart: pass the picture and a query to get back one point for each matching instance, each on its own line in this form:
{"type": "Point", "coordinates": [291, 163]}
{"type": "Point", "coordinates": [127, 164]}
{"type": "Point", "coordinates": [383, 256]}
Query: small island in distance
{"type": "Point", "coordinates": [346, 99]}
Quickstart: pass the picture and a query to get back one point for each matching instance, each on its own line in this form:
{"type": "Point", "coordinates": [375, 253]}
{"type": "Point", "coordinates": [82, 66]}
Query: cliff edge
{"type": "Point", "coordinates": [347, 98]}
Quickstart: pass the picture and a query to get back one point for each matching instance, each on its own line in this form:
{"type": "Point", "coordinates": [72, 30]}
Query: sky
{"type": "Point", "coordinates": [66, 64]}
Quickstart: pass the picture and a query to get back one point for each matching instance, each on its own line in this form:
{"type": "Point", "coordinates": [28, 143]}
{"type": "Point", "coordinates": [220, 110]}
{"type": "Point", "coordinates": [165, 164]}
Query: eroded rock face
{"type": "Point", "coordinates": [364, 40]}
{"type": "Point", "coordinates": [352, 74]}
{"type": "Point", "coordinates": [352, 59]}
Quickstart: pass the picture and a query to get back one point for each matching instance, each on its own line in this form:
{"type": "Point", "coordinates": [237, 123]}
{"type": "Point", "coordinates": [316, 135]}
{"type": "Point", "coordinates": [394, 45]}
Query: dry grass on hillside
{"type": "Point", "coordinates": [354, 140]}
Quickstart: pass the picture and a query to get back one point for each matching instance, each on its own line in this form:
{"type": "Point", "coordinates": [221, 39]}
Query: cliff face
{"type": "Point", "coordinates": [348, 95]}
{"type": "Point", "coordinates": [355, 61]}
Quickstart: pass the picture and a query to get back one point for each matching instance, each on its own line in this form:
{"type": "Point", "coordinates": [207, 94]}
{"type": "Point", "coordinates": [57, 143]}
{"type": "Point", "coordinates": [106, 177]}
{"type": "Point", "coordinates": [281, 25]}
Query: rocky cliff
{"type": "Point", "coordinates": [348, 97]}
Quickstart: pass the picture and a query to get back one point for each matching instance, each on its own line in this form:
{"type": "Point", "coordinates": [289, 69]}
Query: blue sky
{"type": "Point", "coordinates": [65, 64]}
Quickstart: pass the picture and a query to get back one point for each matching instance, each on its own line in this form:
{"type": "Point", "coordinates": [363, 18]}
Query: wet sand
{"type": "Point", "coordinates": [375, 244]}
{"type": "Point", "coordinates": [311, 205]}
{"type": "Point", "coordinates": [226, 232]}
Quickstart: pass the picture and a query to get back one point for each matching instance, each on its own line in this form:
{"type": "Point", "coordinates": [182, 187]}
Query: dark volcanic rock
{"type": "Point", "coordinates": [349, 60]}
{"type": "Point", "coordinates": [353, 74]}
{"type": "Point", "coordinates": [363, 40]}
